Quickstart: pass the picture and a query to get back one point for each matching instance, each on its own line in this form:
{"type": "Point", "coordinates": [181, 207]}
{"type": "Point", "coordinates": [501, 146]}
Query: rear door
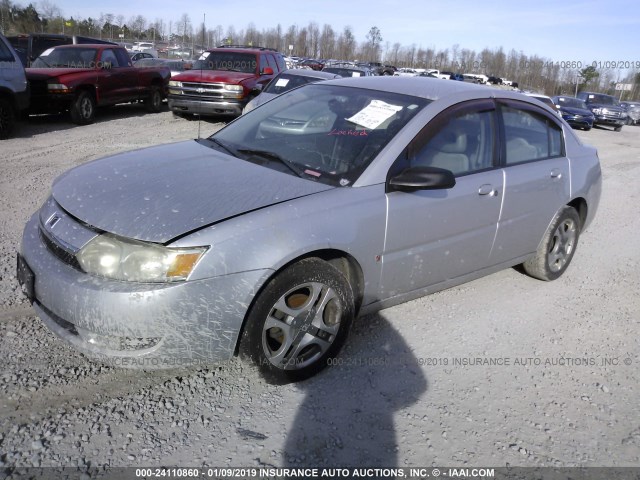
{"type": "Point", "coordinates": [437, 235]}
{"type": "Point", "coordinates": [537, 182]}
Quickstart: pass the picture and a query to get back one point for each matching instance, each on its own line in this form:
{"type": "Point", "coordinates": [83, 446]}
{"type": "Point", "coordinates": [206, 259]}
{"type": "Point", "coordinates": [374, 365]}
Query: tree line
{"type": "Point", "coordinates": [325, 42]}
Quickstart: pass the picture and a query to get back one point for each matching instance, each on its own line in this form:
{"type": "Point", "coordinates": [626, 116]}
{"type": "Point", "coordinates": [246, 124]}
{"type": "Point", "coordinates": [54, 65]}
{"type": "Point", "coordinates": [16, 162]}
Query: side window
{"type": "Point", "coordinates": [109, 58]}
{"type": "Point", "coordinates": [272, 63]}
{"type": "Point", "coordinates": [462, 142]}
{"type": "Point", "coordinates": [280, 62]}
{"type": "Point", "coordinates": [123, 58]}
{"type": "Point", "coordinates": [5, 53]}
{"type": "Point", "coordinates": [529, 136]}
{"type": "Point", "coordinates": [263, 63]}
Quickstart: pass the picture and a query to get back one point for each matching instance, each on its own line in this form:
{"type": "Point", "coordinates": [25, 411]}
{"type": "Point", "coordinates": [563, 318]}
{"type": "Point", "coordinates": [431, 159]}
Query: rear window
{"type": "Point", "coordinates": [530, 136]}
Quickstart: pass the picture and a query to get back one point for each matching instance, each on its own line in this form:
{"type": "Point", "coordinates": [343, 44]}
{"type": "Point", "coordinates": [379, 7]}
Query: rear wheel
{"type": "Point", "coordinates": [153, 102]}
{"type": "Point", "coordinates": [83, 108]}
{"type": "Point", "coordinates": [299, 321]}
{"type": "Point", "coordinates": [557, 247]}
{"type": "Point", "coordinates": [7, 118]}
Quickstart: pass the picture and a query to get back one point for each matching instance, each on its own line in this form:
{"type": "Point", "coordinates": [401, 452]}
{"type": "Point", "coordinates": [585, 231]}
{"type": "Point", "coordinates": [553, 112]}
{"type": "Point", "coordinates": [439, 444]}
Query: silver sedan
{"type": "Point", "coordinates": [330, 201]}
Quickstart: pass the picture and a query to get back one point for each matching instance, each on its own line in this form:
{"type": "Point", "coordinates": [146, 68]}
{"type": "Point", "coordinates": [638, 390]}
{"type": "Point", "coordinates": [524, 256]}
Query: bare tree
{"type": "Point", "coordinates": [184, 27]}
{"type": "Point", "coordinates": [374, 39]}
{"type": "Point", "coordinates": [327, 42]}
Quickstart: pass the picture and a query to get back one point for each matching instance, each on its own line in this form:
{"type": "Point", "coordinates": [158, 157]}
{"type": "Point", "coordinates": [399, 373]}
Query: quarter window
{"type": "Point", "coordinates": [529, 136]}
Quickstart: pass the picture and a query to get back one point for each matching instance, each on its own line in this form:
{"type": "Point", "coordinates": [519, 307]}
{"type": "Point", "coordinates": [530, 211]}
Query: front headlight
{"type": "Point", "coordinates": [597, 111]}
{"type": "Point", "coordinates": [57, 88]}
{"type": "Point", "coordinates": [134, 261]}
{"type": "Point", "coordinates": [174, 83]}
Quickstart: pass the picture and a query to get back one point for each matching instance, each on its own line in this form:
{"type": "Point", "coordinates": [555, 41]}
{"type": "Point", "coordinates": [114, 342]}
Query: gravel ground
{"type": "Point", "coordinates": [505, 370]}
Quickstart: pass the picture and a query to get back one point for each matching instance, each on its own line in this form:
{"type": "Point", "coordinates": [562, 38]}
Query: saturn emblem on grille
{"type": "Point", "coordinates": [53, 219]}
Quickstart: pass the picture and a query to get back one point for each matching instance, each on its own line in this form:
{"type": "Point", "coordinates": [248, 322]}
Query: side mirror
{"type": "Point", "coordinates": [421, 178]}
{"type": "Point", "coordinates": [267, 71]}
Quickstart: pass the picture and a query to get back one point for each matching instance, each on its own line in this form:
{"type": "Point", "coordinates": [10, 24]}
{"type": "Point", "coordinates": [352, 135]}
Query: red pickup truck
{"type": "Point", "coordinates": [79, 78]}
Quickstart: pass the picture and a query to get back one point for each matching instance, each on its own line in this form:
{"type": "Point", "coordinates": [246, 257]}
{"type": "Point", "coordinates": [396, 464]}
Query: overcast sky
{"type": "Point", "coordinates": [570, 30]}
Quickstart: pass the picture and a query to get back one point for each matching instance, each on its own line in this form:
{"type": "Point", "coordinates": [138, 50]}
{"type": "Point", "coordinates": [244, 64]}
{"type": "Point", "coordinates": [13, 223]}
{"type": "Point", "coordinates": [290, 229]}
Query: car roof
{"type": "Point", "coordinates": [424, 87]}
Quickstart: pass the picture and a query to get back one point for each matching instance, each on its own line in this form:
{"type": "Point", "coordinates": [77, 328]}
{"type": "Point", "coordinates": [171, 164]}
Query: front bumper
{"type": "Point", "coordinates": [198, 106]}
{"type": "Point", "coordinates": [133, 324]}
{"type": "Point", "coordinates": [578, 120]}
{"type": "Point", "coordinates": [609, 120]}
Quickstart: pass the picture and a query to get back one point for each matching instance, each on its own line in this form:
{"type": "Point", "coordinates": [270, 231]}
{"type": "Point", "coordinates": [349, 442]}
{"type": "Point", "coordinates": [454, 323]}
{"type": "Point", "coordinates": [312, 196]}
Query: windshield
{"type": "Point", "coordinates": [325, 133]}
{"type": "Point", "coordinates": [603, 99]}
{"type": "Point", "coordinates": [67, 58]}
{"type": "Point", "coordinates": [571, 102]}
{"type": "Point", "coordinates": [231, 61]}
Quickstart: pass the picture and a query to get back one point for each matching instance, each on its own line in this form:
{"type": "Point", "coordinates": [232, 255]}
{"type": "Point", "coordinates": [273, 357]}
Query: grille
{"type": "Point", "coordinates": [38, 87]}
{"type": "Point", "coordinates": [59, 252]}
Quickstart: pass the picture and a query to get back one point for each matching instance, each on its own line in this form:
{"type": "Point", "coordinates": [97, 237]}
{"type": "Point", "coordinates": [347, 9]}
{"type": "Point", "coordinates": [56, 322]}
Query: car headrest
{"type": "Point", "coordinates": [451, 141]}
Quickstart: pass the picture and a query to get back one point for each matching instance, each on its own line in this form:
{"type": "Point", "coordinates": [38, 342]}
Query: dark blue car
{"type": "Point", "coordinates": [575, 112]}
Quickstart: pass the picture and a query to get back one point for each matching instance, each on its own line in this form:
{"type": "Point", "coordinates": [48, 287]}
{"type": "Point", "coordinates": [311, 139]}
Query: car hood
{"type": "Point", "coordinates": [575, 111]}
{"type": "Point", "coordinates": [160, 193]}
{"type": "Point", "coordinates": [213, 76]}
{"type": "Point", "coordinates": [46, 73]}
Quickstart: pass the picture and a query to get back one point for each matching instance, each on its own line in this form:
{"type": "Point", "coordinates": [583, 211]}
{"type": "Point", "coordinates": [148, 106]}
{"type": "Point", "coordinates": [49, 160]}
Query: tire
{"type": "Point", "coordinates": [7, 118]}
{"type": "Point", "coordinates": [586, 129]}
{"type": "Point", "coordinates": [617, 129]}
{"type": "Point", "coordinates": [153, 102]}
{"type": "Point", "coordinates": [83, 108]}
{"type": "Point", "coordinates": [557, 247]}
{"type": "Point", "coordinates": [299, 322]}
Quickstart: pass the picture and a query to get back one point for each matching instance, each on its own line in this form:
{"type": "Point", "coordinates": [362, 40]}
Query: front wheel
{"type": "Point", "coordinates": [557, 247]}
{"type": "Point", "coordinates": [618, 128]}
{"type": "Point", "coordinates": [299, 321]}
{"type": "Point", "coordinates": [83, 109]}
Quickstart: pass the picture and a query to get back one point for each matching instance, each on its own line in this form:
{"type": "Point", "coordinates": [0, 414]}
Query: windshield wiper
{"type": "Point", "coordinates": [222, 145]}
{"type": "Point", "coordinates": [273, 156]}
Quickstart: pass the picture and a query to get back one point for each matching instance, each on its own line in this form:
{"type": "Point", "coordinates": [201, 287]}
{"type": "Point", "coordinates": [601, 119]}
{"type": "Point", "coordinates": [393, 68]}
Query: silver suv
{"type": "Point", "coordinates": [14, 92]}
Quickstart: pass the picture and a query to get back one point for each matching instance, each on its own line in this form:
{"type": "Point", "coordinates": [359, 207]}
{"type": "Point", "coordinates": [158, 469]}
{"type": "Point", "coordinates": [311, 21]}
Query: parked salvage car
{"type": "Point", "coordinates": [605, 108]}
{"type": "Point", "coordinates": [632, 109]}
{"type": "Point", "coordinates": [269, 243]}
{"type": "Point", "coordinates": [349, 71]}
{"type": "Point", "coordinates": [137, 56]}
{"type": "Point", "coordinates": [175, 66]}
{"type": "Point", "coordinates": [285, 81]}
{"type": "Point", "coordinates": [575, 112]}
{"type": "Point", "coordinates": [14, 91]}
{"type": "Point", "coordinates": [79, 78]}
{"type": "Point", "coordinates": [224, 80]}
{"type": "Point", "coordinates": [546, 100]}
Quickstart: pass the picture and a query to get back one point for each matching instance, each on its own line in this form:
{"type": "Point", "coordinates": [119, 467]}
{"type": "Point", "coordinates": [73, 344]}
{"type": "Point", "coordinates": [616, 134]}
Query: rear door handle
{"type": "Point", "coordinates": [487, 189]}
{"type": "Point", "coordinates": [556, 173]}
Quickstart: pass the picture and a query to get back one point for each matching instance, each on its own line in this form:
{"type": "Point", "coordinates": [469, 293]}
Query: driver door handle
{"type": "Point", "coordinates": [487, 189]}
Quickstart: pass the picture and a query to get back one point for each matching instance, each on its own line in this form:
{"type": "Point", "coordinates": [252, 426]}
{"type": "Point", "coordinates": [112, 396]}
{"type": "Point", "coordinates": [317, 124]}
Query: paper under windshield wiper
{"type": "Point", "coordinates": [273, 156]}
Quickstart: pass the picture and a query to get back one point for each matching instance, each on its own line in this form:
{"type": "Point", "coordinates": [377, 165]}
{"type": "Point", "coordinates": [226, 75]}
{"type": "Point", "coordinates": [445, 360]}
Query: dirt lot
{"type": "Point", "coordinates": [503, 370]}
